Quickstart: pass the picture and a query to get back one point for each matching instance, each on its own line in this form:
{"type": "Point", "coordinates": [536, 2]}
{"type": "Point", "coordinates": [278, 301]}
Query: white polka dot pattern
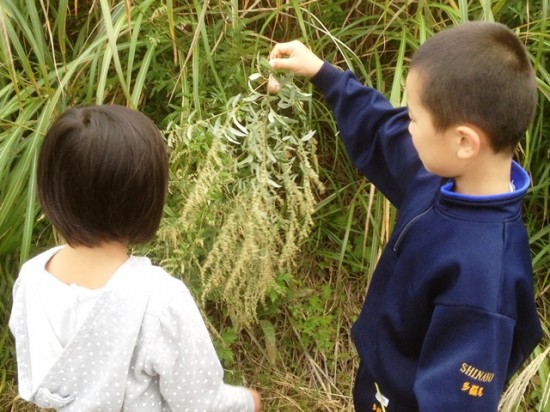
{"type": "Point", "coordinates": [144, 347]}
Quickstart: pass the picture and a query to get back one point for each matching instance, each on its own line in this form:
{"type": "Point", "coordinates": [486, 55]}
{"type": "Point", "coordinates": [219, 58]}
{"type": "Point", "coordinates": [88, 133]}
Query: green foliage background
{"type": "Point", "coordinates": [267, 222]}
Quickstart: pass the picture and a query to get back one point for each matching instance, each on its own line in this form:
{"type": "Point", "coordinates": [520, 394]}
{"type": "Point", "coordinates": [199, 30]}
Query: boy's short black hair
{"type": "Point", "coordinates": [478, 73]}
{"type": "Point", "coordinates": [103, 175]}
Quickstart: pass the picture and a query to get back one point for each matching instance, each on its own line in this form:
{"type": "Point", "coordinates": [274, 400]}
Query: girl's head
{"type": "Point", "coordinates": [103, 175]}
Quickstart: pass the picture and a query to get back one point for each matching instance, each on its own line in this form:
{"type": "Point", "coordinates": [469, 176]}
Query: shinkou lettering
{"type": "Point", "coordinates": [476, 374]}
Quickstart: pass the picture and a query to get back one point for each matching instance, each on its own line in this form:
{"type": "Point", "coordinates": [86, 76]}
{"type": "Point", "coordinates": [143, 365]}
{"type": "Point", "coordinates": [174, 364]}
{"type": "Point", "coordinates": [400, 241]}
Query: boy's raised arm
{"type": "Point", "coordinates": [375, 134]}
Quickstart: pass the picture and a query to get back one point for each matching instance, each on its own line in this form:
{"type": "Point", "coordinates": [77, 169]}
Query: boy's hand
{"type": "Point", "coordinates": [295, 57]}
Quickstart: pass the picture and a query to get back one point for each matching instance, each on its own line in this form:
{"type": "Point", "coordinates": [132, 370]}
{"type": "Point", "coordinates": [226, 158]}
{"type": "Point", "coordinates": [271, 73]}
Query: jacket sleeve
{"type": "Point", "coordinates": [464, 360]}
{"type": "Point", "coordinates": [190, 373]}
{"type": "Point", "coordinates": [374, 133]}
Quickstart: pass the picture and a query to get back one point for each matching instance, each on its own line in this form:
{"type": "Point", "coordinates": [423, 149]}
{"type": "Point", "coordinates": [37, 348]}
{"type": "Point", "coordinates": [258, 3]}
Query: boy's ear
{"type": "Point", "coordinates": [468, 140]}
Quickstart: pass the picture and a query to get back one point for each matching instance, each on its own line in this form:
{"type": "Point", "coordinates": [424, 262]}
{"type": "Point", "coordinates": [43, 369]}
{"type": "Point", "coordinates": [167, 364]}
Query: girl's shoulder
{"type": "Point", "coordinates": [164, 290]}
{"type": "Point", "coordinates": [171, 314]}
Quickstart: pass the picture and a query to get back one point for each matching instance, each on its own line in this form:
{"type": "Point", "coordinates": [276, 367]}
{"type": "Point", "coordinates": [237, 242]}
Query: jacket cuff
{"type": "Point", "coordinates": [326, 77]}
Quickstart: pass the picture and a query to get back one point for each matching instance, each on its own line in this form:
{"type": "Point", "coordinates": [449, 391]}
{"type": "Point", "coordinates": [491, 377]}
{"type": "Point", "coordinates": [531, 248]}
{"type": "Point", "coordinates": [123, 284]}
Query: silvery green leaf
{"type": "Point", "coordinates": [252, 98]}
{"type": "Point", "coordinates": [236, 132]}
{"type": "Point", "coordinates": [234, 101]}
{"type": "Point", "coordinates": [308, 136]}
{"type": "Point", "coordinates": [271, 157]}
{"type": "Point", "coordinates": [254, 76]}
{"type": "Point", "coordinates": [240, 126]}
{"type": "Point", "coordinates": [273, 184]}
{"type": "Point", "coordinates": [230, 138]}
{"type": "Point", "coordinates": [247, 160]}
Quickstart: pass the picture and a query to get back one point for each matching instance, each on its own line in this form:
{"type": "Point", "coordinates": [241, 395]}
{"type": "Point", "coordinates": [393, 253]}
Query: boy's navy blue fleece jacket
{"type": "Point", "coordinates": [450, 313]}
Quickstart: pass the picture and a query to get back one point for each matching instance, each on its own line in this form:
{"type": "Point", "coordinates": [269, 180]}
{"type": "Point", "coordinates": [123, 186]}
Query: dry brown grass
{"type": "Point", "coordinates": [10, 402]}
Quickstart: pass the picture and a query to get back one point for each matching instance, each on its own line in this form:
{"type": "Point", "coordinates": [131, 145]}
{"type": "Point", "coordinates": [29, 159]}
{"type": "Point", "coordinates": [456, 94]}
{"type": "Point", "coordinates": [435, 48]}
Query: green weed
{"type": "Point", "coordinates": [279, 266]}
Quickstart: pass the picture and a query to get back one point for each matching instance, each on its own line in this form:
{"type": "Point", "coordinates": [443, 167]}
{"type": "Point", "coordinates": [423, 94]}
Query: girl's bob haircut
{"type": "Point", "coordinates": [103, 176]}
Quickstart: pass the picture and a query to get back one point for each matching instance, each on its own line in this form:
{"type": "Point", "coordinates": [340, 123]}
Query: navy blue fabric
{"type": "Point", "coordinates": [450, 313]}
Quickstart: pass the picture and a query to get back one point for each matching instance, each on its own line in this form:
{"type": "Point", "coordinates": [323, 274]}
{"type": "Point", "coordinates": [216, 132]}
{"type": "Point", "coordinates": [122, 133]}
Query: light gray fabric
{"type": "Point", "coordinates": [143, 347]}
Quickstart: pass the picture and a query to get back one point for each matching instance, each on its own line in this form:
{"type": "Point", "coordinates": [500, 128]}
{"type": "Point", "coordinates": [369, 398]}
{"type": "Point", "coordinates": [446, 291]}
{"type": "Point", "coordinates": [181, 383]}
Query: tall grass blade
{"type": "Point", "coordinates": [113, 31]}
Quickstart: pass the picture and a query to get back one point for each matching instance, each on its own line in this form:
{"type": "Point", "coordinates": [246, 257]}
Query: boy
{"type": "Point", "coordinates": [449, 315]}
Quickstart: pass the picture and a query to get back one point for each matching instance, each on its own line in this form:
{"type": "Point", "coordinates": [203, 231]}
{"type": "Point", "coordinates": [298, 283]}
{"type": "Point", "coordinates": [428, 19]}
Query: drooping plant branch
{"type": "Point", "coordinates": [248, 204]}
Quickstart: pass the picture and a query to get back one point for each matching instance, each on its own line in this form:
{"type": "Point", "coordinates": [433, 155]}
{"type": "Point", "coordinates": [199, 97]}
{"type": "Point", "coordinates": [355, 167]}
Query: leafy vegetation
{"type": "Point", "coordinates": [267, 222]}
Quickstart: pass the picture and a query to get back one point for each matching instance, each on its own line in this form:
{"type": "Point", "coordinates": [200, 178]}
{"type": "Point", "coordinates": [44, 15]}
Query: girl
{"type": "Point", "coordinates": [95, 329]}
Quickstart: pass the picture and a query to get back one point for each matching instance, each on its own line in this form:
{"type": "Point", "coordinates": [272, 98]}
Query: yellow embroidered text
{"type": "Point", "coordinates": [476, 374]}
{"type": "Point", "coordinates": [472, 390]}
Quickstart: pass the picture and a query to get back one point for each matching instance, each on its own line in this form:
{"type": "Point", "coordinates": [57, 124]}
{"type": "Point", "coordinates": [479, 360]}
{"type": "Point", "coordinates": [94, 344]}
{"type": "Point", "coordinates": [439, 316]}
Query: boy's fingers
{"type": "Point", "coordinates": [280, 64]}
{"type": "Point", "coordinates": [282, 49]}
